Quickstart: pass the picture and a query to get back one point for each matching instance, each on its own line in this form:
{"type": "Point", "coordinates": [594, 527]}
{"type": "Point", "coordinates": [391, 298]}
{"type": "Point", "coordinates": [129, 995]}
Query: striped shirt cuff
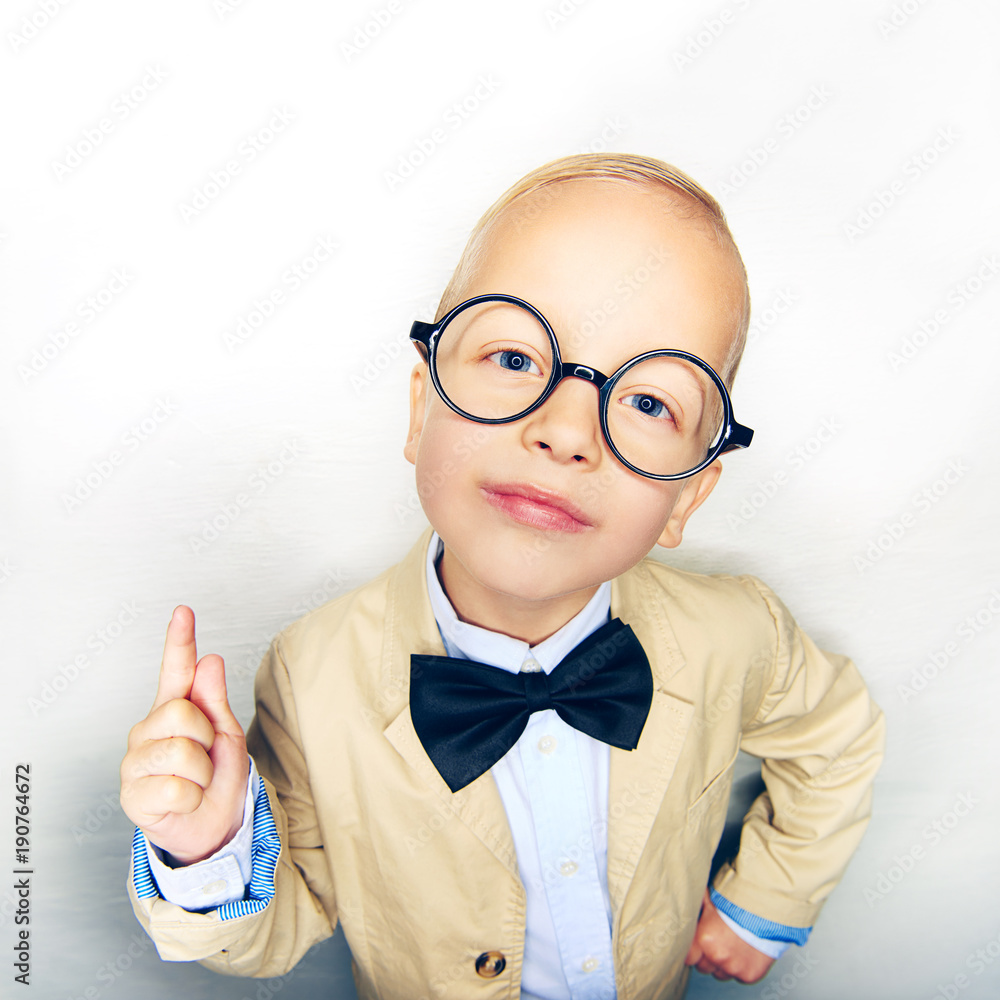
{"type": "Point", "coordinates": [264, 850]}
{"type": "Point", "coordinates": [758, 926]}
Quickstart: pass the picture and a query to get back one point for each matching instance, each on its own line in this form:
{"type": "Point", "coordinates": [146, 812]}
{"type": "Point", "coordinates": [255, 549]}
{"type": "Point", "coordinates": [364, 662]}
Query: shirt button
{"type": "Point", "coordinates": [490, 964]}
{"type": "Point", "coordinates": [217, 886]}
{"type": "Point", "coordinates": [590, 965]}
{"type": "Point", "coordinates": [547, 744]}
{"type": "Point", "coordinates": [530, 666]}
{"type": "Point", "coordinates": [568, 868]}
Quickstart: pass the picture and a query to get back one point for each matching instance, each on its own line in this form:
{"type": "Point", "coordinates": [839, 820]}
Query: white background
{"type": "Point", "coordinates": [847, 214]}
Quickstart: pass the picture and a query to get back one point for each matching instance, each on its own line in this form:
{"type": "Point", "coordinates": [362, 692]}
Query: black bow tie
{"type": "Point", "coordinates": [468, 714]}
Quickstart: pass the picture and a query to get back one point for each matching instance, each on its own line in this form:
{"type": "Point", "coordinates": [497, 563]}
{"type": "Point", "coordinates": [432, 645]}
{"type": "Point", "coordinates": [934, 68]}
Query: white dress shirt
{"type": "Point", "coordinates": [554, 787]}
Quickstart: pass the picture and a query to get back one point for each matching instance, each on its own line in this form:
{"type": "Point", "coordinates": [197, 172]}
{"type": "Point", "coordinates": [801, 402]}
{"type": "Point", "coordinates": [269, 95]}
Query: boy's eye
{"type": "Point", "coordinates": [648, 405]}
{"type": "Point", "coordinates": [514, 361]}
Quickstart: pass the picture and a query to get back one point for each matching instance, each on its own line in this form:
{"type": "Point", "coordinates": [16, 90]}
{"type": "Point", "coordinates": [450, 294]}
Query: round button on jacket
{"type": "Point", "coordinates": [490, 964]}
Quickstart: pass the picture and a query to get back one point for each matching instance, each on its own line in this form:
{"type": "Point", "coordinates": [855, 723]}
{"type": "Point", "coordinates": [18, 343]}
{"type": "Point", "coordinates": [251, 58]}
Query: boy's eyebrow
{"type": "Point", "coordinates": [699, 384]}
{"type": "Point", "coordinates": [689, 373]}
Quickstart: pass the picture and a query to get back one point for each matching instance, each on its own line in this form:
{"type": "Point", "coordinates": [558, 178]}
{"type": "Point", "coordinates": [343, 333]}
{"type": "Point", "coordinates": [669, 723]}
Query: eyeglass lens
{"type": "Point", "coordinates": [664, 414]}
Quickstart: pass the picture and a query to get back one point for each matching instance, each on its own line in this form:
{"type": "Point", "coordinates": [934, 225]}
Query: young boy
{"type": "Point", "coordinates": [521, 819]}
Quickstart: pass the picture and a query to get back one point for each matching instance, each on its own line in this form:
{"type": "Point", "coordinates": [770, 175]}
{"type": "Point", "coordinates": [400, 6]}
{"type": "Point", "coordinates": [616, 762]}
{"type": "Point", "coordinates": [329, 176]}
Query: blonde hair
{"type": "Point", "coordinates": [625, 166]}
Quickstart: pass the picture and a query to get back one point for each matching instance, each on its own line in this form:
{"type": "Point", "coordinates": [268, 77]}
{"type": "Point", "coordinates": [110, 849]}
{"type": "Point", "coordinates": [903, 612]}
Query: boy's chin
{"type": "Point", "coordinates": [533, 571]}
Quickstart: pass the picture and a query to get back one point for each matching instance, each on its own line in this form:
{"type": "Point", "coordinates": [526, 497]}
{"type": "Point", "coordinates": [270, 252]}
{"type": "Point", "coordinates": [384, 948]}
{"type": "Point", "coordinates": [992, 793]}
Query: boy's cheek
{"type": "Point", "coordinates": [434, 477]}
{"type": "Point", "coordinates": [470, 442]}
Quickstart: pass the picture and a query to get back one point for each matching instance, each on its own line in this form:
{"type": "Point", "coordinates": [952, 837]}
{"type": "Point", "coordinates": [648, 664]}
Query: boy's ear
{"type": "Point", "coordinates": [419, 378]}
{"type": "Point", "coordinates": [694, 494]}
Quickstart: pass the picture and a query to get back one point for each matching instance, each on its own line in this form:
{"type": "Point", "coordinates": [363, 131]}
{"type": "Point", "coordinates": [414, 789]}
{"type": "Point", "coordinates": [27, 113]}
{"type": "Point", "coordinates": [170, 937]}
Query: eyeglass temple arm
{"type": "Point", "coordinates": [420, 334]}
{"type": "Point", "coordinates": [739, 437]}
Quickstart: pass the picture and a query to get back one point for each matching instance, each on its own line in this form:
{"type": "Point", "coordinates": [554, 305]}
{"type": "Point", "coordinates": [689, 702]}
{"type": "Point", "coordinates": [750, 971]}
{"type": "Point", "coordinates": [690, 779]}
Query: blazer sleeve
{"type": "Point", "coordinates": [821, 738]}
{"type": "Point", "coordinates": [302, 911]}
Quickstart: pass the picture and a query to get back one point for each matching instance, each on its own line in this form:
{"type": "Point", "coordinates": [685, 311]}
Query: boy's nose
{"type": "Point", "coordinates": [567, 424]}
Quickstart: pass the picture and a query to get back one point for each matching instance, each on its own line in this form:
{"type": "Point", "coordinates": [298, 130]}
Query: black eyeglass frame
{"type": "Point", "coordinates": [426, 336]}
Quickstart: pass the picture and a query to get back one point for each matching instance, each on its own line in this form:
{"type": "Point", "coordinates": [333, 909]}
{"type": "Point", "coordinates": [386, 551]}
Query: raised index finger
{"type": "Point", "coordinates": [180, 654]}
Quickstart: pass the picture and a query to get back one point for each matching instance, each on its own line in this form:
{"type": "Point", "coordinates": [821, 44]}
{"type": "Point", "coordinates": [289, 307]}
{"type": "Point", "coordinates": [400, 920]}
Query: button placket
{"type": "Point", "coordinates": [571, 883]}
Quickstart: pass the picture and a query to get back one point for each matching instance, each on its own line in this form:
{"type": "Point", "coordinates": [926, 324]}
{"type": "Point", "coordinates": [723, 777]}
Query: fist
{"type": "Point", "coordinates": [716, 949]}
{"type": "Point", "coordinates": [185, 773]}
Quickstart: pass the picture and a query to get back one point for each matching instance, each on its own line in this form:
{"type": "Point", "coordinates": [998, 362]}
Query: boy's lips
{"type": "Point", "coordinates": [535, 506]}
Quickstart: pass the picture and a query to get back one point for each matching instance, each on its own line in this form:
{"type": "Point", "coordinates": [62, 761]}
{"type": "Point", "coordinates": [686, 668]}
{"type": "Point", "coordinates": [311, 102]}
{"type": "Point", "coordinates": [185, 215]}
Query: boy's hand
{"type": "Point", "coordinates": [184, 776]}
{"type": "Point", "coordinates": [716, 949]}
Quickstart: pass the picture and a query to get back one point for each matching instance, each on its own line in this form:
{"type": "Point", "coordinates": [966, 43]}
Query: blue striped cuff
{"type": "Point", "coordinates": [264, 851]}
{"type": "Point", "coordinates": [142, 877]}
{"type": "Point", "coordinates": [766, 929]}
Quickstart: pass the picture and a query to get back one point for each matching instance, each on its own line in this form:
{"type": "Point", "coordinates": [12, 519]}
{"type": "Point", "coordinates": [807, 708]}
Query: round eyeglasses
{"type": "Point", "coordinates": [495, 358]}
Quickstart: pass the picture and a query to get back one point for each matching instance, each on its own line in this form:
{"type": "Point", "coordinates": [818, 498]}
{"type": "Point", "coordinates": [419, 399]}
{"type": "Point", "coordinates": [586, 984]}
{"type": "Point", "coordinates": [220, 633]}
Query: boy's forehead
{"type": "Point", "coordinates": [580, 245]}
{"type": "Point", "coordinates": [595, 224]}
{"type": "Point", "coordinates": [590, 203]}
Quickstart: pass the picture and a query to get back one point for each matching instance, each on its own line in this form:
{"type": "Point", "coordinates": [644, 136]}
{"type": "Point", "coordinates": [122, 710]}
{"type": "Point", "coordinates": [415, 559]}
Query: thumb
{"type": "Point", "coordinates": [208, 692]}
{"type": "Point", "coordinates": [695, 952]}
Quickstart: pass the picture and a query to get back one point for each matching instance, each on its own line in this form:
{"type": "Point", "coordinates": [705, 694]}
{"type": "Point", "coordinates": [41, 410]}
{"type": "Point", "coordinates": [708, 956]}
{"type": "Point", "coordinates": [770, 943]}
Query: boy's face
{"type": "Point", "coordinates": [537, 513]}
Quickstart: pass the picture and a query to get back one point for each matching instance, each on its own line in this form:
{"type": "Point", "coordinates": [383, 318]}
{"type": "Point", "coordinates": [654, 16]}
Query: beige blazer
{"type": "Point", "coordinates": [425, 882]}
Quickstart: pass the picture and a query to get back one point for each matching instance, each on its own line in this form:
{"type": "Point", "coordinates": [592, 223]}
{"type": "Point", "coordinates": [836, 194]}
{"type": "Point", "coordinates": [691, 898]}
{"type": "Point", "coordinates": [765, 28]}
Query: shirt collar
{"type": "Point", "coordinates": [499, 650]}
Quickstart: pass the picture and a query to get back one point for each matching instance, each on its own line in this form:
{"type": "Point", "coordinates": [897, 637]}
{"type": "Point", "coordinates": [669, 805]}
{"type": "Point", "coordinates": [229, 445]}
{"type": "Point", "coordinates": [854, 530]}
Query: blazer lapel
{"type": "Point", "coordinates": [639, 778]}
{"type": "Point", "coordinates": [410, 628]}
